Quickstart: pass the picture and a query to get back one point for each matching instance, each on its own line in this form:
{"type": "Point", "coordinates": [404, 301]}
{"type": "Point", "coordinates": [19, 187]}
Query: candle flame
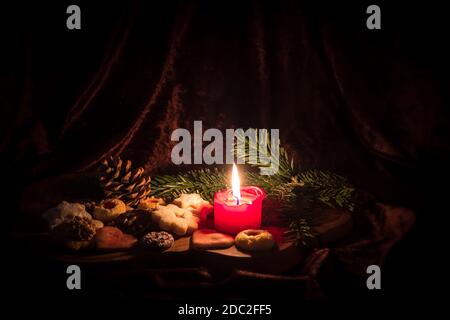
{"type": "Point", "coordinates": [236, 184]}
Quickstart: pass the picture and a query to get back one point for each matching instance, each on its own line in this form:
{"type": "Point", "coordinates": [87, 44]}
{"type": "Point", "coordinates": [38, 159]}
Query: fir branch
{"type": "Point", "coordinates": [203, 181]}
{"type": "Point", "coordinates": [328, 188]}
{"type": "Point", "coordinates": [298, 194]}
{"type": "Point", "coordinates": [300, 232]}
{"type": "Point", "coordinates": [254, 151]}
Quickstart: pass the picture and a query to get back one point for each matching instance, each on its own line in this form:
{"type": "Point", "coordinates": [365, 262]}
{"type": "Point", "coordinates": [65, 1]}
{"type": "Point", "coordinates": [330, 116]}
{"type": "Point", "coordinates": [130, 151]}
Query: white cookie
{"type": "Point", "coordinates": [150, 203]}
{"type": "Point", "coordinates": [65, 211]}
{"type": "Point", "coordinates": [174, 219]}
{"type": "Point", "coordinates": [193, 201]}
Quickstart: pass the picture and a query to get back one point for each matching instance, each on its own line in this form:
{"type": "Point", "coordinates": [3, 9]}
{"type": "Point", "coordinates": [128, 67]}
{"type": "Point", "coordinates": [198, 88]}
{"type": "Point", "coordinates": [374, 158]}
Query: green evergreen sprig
{"type": "Point", "coordinates": [298, 193]}
{"type": "Point", "coordinates": [203, 181]}
{"type": "Point", "coordinates": [328, 188]}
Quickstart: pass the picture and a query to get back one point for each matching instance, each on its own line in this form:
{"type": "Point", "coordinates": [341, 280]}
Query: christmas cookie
{"type": "Point", "coordinates": [135, 222]}
{"type": "Point", "coordinates": [211, 239]}
{"type": "Point", "coordinates": [98, 224]}
{"type": "Point", "coordinates": [111, 238]}
{"type": "Point", "coordinates": [76, 229]}
{"type": "Point", "coordinates": [65, 211]}
{"type": "Point", "coordinates": [254, 240]}
{"type": "Point", "coordinates": [193, 201]}
{"type": "Point", "coordinates": [174, 219]}
{"type": "Point", "coordinates": [157, 240]}
{"type": "Point", "coordinates": [109, 209]}
{"type": "Point", "coordinates": [151, 203]}
{"type": "Point", "coordinates": [74, 234]}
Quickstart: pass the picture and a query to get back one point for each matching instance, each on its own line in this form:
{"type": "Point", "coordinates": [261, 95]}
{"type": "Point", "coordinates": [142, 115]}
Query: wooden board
{"type": "Point", "coordinates": [330, 225]}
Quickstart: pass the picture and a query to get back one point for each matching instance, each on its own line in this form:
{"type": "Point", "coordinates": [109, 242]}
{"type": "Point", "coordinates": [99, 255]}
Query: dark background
{"type": "Point", "coordinates": [371, 105]}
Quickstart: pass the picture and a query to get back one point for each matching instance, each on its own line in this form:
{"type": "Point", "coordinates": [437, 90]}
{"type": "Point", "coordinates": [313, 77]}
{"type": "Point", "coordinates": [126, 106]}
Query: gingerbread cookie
{"type": "Point", "coordinates": [211, 239]}
{"type": "Point", "coordinates": [111, 238]}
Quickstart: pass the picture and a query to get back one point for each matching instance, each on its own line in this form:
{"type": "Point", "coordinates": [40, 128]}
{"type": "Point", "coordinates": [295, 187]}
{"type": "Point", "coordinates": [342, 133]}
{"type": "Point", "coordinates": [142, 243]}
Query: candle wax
{"type": "Point", "coordinates": [230, 217]}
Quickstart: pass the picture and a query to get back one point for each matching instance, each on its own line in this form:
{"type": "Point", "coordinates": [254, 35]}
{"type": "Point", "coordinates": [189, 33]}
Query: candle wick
{"type": "Point", "coordinates": [237, 200]}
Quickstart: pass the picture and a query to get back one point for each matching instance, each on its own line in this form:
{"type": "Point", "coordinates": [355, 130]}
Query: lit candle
{"type": "Point", "coordinates": [239, 208]}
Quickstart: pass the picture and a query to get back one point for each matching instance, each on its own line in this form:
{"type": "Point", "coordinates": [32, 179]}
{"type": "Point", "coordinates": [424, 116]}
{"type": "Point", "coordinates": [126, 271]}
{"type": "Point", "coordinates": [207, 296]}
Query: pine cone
{"type": "Point", "coordinates": [120, 181]}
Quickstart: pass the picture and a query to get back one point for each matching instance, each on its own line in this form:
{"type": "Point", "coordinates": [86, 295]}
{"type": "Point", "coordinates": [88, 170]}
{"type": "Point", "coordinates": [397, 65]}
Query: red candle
{"type": "Point", "coordinates": [239, 208]}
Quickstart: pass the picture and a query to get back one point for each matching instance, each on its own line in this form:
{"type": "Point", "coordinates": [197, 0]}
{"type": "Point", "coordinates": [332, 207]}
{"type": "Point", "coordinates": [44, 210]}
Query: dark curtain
{"type": "Point", "coordinates": [368, 104]}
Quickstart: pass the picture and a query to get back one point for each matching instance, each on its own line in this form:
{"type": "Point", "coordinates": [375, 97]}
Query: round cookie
{"type": "Point", "coordinates": [254, 240]}
{"type": "Point", "coordinates": [111, 238]}
{"type": "Point", "coordinates": [109, 209]}
{"type": "Point", "coordinates": [157, 240]}
{"type": "Point", "coordinates": [211, 239]}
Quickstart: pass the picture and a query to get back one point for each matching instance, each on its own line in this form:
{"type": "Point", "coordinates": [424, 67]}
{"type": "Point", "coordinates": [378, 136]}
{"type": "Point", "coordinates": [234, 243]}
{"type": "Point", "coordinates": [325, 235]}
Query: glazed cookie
{"type": "Point", "coordinates": [109, 209]}
{"type": "Point", "coordinates": [161, 240]}
{"type": "Point", "coordinates": [193, 201]}
{"type": "Point", "coordinates": [254, 240]}
{"type": "Point", "coordinates": [151, 203]}
{"type": "Point", "coordinates": [174, 219]}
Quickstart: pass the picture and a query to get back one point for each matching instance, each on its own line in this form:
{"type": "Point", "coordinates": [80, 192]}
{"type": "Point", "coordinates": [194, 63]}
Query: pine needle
{"type": "Point", "coordinates": [297, 193]}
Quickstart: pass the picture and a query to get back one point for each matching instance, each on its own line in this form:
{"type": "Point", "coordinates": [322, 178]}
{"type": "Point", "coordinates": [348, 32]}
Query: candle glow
{"type": "Point", "coordinates": [238, 208]}
{"type": "Point", "coordinates": [236, 184]}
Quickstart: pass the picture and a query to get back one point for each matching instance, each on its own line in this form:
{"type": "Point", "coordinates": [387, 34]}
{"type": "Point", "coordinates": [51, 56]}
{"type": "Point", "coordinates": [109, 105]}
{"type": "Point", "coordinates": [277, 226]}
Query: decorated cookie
{"type": "Point", "coordinates": [111, 238]}
{"type": "Point", "coordinates": [157, 240]}
{"type": "Point", "coordinates": [65, 211]}
{"type": "Point", "coordinates": [151, 203]}
{"type": "Point", "coordinates": [135, 222]}
{"type": "Point", "coordinates": [109, 209]}
{"type": "Point", "coordinates": [254, 240]}
{"type": "Point", "coordinates": [175, 219]}
{"type": "Point", "coordinates": [211, 239]}
{"type": "Point", "coordinates": [193, 201]}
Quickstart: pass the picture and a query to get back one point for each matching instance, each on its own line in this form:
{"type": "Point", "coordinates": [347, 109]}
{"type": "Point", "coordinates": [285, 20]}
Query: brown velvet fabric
{"type": "Point", "coordinates": [344, 97]}
{"type": "Point", "coordinates": [370, 105]}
